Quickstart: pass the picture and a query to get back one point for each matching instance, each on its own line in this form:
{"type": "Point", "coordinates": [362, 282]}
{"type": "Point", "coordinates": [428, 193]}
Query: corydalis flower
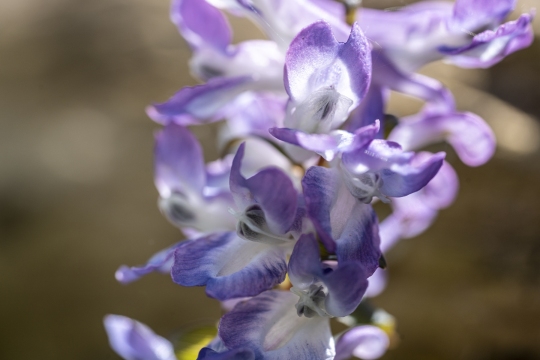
{"type": "Point", "coordinates": [252, 259]}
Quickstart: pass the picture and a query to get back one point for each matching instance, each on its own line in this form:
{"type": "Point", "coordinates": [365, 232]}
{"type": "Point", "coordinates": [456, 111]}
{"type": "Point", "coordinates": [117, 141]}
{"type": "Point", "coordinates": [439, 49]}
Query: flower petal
{"type": "Point", "coordinates": [161, 262]}
{"type": "Point", "coordinates": [201, 24]}
{"type": "Point", "coordinates": [229, 266]}
{"type": "Point", "coordinates": [133, 340]}
{"type": "Point", "coordinates": [470, 136]}
{"type": "Point", "coordinates": [489, 47]}
{"type": "Point", "coordinates": [345, 225]}
{"type": "Point", "coordinates": [179, 163]}
{"type": "Point", "coordinates": [203, 102]}
{"type": "Point", "coordinates": [316, 60]}
{"type": "Point", "coordinates": [268, 325]}
{"type": "Point", "coordinates": [271, 189]}
{"type": "Point", "coordinates": [365, 342]}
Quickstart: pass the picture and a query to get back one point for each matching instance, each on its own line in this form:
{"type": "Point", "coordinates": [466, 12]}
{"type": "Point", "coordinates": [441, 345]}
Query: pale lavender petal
{"type": "Point", "coordinates": [489, 47]}
{"type": "Point", "coordinates": [305, 262]}
{"type": "Point", "coordinates": [364, 342]}
{"type": "Point", "coordinates": [377, 281]}
{"type": "Point", "coordinates": [472, 15]}
{"type": "Point", "coordinates": [178, 161]}
{"type": "Point", "coordinates": [268, 325]}
{"type": "Point", "coordinates": [160, 262]}
{"type": "Point", "coordinates": [133, 340]}
{"type": "Point", "coordinates": [201, 24]}
{"type": "Point", "coordinates": [202, 102]}
{"type": "Point", "coordinates": [316, 60]}
{"type": "Point", "coordinates": [229, 266]}
{"type": "Point", "coordinates": [470, 136]}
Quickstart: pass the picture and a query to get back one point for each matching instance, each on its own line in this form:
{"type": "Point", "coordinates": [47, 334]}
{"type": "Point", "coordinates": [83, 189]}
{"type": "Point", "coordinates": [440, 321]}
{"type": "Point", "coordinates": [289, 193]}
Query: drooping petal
{"type": "Point", "coordinates": [365, 342]}
{"type": "Point", "coordinates": [179, 163]}
{"type": "Point", "coordinates": [161, 262]}
{"type": "Point", "coordinates": [268, 325]}
{"type": "Point", "coordinates": [470, 136]}
{"type": "Point", "coordinates": [489, 47]}
{"type": "Point", "coordinates": [229, 266]}
{"type": "Point", "coordinates": [201, 103]}
{"type": "Point", "coordinates": [133, 340]}
{"type": "Point", "coordinates": [201, 24]}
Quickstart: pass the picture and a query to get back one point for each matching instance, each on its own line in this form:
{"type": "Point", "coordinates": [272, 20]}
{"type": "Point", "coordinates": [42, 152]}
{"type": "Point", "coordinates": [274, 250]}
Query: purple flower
{"type": "Point", "coordinates": [133, 340]}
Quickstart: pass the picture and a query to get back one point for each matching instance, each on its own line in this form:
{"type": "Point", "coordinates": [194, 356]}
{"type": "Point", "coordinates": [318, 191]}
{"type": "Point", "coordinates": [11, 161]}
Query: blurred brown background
{"type": "Point", "coordinates": [77, 198]}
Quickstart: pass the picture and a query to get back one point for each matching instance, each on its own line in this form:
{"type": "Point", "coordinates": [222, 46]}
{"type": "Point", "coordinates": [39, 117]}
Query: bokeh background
{"type": "Point", "coordinates": [77, 197]}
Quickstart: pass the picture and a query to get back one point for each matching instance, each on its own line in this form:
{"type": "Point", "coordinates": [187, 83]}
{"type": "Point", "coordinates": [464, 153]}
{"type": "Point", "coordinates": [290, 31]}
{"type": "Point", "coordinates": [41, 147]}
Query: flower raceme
{"type": "Point", "coordinates": [282, 229]}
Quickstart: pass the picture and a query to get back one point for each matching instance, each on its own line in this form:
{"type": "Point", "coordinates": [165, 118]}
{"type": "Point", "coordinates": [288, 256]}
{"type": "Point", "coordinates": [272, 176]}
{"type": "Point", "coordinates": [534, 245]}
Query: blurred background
{"type": "Point", "coordinates": [77, 197]}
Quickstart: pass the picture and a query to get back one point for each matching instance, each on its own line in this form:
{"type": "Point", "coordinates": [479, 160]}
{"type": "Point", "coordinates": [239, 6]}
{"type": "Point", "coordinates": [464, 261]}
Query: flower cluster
{"type": "Point", "coordinates": [282, 229]}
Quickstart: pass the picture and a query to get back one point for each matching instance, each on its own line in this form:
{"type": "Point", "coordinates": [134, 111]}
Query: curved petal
{"type": "Point", "coordinates": [161, 262]}
{"type": "Point", "coordinates": [133, 340]}
{"type": "Point", "coordinates": [268, 325]}
{"type": "Point", "coordinates": [229, 266]}
{"type": "Point", "coordinates": [470, 136]}
{"type": "Point", "coordinates": [404, 179]}
{"type": "Point", "coordinates": [178, 162]}
{"type": "Point", "coordinates": [489, 47]}
{"type": "Point", "coordinates": [203, 102]}
{"type": "Point", "coordinates": [201, 24]}
{"type": "Point", "coordinates": [364, 342]}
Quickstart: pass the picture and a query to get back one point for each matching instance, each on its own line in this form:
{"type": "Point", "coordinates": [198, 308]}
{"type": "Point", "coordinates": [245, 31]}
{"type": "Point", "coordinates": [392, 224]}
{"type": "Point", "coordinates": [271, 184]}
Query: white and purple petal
{"type": "Point", "coordinates": [268, 325]}
{"type": "Point", "coordinates": [229, 266]}
{"type": "Point", "coordinates": [345, 225]}
{"type": "Point", "coordinates": [133, 340]}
